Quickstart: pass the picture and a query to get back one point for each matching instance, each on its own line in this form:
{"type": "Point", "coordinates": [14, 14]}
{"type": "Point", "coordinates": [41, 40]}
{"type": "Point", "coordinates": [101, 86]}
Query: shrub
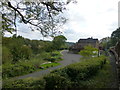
{"type": "Point", "coordinates": [73, 75]}
{"type": "Point", "coordinates": [15, 50]}
{"type": "Point", "coordinates": [10, 70]}
{"type": "Point", "coordinates": [55, 81]}
{"type": "Point", "coordinates": [7, 70]}
{"type": "Point", "coordinates": [26, 52]}
{"type": "Point", "coordinates": [82, 70]}
{"type": "Point", "coordinates": [53, 56]}
{"type": "Point", "coordinates": [25, 83]}
{"type": "Point", "coordinates": [88, 51]}
{"type": "Point", "coordinates": [6, 55]}
{"type": "Point", "coordinates": [22, 67]}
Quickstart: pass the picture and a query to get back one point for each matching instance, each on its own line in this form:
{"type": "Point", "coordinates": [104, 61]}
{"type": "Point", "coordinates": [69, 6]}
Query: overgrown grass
{"type": "Point", "coordinates": [53, 56]}
{"type": "Point", "coordinates": [21, 68]}
{"type": "Point", "coordinates": [102, 79]}
{"type": "Point", "coordinates": [28, 66]}
{"type": "Point", "coordinates": [92, 73]}
{"type": "Point", "coordinates": [24, 83]}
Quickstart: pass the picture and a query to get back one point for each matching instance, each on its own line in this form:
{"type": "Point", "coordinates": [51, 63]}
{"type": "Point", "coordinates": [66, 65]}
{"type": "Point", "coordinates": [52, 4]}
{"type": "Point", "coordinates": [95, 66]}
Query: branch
{"type": "Point", "coordinates": [51, 6]}
{"type": "Point", "coordinates": [48, 5]}
{"type": "Point", "coordinates": [15, 20]}
{"type": "Point", "coordinates": [23, 19]}
{"type": "Point", "coordinates": [37, 26]}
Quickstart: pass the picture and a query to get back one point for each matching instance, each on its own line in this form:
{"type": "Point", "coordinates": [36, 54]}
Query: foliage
{"type": "Point", "coordinates": [12, 70]}
{"type": "Point", "coordinates": [103, 79]}
{"type": "Point", "coordinates": [115, 36]}
{"type": "Point", "coordinates": [49, 65]}
{"type": "Point", "coordinates": [58, 42]}
{"type": "Point", "coordinates": [43, 16]}
{"type": "Point", "coordinates": [27, 66]}
{"type": "Point", "coordinates": [36, 46]}
{"type": "Point", "coordinates": [55, 81]}
{"type": "Point", "coordinates": [15, 46]}
{"type": "Point", "coordinates": [20, 52]}
{"type": "Point", "coordinates": [88, 51]}
{"type": "Point", "coordinates": [21, 48]}
{"type": "Point", "coordinates": [22, 67]}
{"type": "Point", "coordinates": [26, 83]}
{"type": "Point", "coordinates": [26, 52]}
{"type": "Point", "coordinates": [48, 47]}
{"type": "Point", "coordinates": [76, 75]}
{"type": "Point", "coordinates": [53, 56]}
{"type": "Point", "coordinates": [84, 69]}
{"type": "Point", "coordinates": [108, 42]}
{"type": "Point", "coordinates": [6, 55]}
{"type": "Point", "coordinates": [105, 43]}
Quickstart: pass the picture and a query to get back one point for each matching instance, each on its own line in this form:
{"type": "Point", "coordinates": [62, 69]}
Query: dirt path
{"type": "Point", "coordinates": [68, 58]}
{"type": "Point", "coordinates": [114, 84]}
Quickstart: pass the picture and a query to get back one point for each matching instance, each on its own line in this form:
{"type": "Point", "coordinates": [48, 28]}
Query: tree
{"type": "Point", "coordinates": [43, 16]}
{"type": "Point", "coordinates": [17, 48]}
{"type": "Point", "coordinates": [55, 81]}
{"type": "Point", "coordinates": [26, 52]}
{"type": "Point", "coordinates": [105, 43]}
{"type": "Point", "coordinates": [6, 55]}
{"type": "Point", "coordinates": [58, 41]}
{"type": "Point", "coordinates": [88, 51]}
{"type": "Point", "coordinates": [115, 36]}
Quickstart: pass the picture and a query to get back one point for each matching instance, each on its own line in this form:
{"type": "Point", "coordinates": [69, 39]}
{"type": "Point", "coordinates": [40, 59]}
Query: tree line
{"type": "Point", "coordinates": [108, 42]}
{"type": "Point", "coordinates": [17, 48]}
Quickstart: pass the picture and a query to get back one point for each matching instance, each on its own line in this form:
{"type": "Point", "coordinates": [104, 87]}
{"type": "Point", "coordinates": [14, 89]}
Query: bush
{"type": "Point", "coordinates": [25, 83]}
{"type": "Point", "coordinates": [83, 70]}
{"type": "Point", "coordinates": [22, 67]}
{"type": "Point", "coordinates": [20, 52]}
{"type": "Point", "coordinates": [7, 70]}
{"type": "Point", "coordinates": [89, 51]}
{"type": "Point", "coordinates": [52, 59]}
{"type": "Point", "coordinates": [26, 52]}
{"type": "Point", "coordinates": [53, 56]}
{"type": "Point", "coordinates": [10, 70]}
{"type": "Point", "coordinates": [55, 81]}
{"type": "Point", "coordinates": [15, 50]}
{"type": "Point", "coordinates": [6, 55]}
{"type": "Point", "coordinates": [79, 75]}
{"type": "Point", "coordinates": [73, 75]}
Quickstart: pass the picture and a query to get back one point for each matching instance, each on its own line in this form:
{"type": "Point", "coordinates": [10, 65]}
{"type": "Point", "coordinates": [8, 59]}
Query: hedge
{"type": "Point", "coordinates": [11, 70]}
{"type": "Point", "coordinates": [70, 76]}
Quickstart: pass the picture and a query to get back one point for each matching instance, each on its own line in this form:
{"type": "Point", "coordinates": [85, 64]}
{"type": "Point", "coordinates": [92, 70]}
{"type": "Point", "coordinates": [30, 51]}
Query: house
{"type": "Point", "coordinates": [82, 43]}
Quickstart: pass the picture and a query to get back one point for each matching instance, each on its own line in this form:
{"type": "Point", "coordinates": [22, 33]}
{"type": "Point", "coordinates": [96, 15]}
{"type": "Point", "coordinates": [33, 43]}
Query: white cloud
{"type": "Point", "coordinates": [92, 18]}
{"type": "Point", "coordinates": [87, 18]}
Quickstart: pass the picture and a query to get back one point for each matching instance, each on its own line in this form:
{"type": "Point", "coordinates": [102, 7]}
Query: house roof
{"type": "Point", "coordinates": [88, 40]}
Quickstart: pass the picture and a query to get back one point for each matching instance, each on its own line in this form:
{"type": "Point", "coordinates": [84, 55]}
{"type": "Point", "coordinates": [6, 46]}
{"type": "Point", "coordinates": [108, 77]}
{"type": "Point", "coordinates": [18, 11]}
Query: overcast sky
{"type": "Point", "coordinates": [87, 18]}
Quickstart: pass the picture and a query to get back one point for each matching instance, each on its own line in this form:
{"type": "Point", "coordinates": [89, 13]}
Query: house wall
{"type": "Point", "coordinates": [84, 42]}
